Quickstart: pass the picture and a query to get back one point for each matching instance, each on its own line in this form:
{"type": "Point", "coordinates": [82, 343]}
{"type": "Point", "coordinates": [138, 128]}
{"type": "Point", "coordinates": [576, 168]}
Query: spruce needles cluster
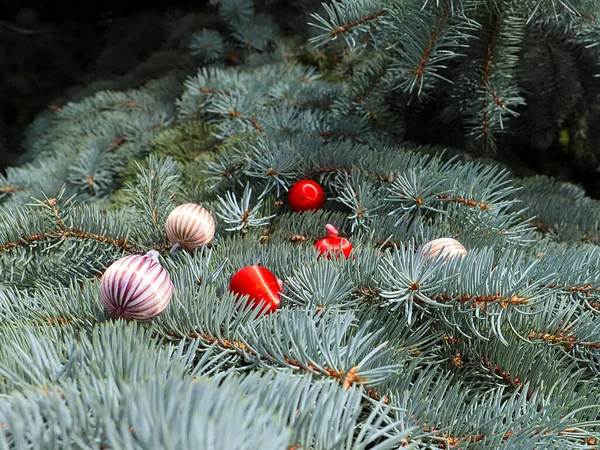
{"type": "Point", "coordinates": [385, 350]}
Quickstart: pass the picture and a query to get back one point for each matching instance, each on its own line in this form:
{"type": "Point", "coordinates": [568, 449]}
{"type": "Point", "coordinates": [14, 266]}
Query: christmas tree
{"type": "Point", "coordinates": [308, 276]}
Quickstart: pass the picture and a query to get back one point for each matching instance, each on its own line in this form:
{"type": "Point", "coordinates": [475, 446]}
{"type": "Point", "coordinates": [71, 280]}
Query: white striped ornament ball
{"type": "Point", "coordinates": [136, 287]}
{"type": "Point", "coordinates": [190, 225]}
{"type": "Point", "coordinates": [448, 247]}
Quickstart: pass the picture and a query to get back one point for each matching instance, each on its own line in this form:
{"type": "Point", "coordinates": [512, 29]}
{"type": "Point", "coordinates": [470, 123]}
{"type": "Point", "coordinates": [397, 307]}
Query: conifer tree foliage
{"type": "Point", "coordinates": [501, 74]}
{"type": "Point", "coordinates": [384, 350]}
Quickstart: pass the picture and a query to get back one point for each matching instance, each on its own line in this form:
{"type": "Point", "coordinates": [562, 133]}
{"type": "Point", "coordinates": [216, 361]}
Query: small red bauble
{"type": "Point", "coordinates": [259, 284]}
{"type": "Point", "coordinates": [333, 243]}
{"type": "Point", "coordinates": [306, 195]}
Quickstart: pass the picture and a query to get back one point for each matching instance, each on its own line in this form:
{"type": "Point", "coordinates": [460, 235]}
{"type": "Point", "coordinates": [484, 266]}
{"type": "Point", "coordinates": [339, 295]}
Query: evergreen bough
{"type": "Point", "coordinates": [499, 349]}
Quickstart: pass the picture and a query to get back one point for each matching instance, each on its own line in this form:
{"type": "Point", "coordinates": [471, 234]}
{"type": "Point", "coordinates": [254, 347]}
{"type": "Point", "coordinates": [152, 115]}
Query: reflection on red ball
{"type": "Point", "coordinates": [333, 244]}
{"type": "Point", "coordinates": [259, 284]}
{"type": "Point", "coordinates": [306, 195]}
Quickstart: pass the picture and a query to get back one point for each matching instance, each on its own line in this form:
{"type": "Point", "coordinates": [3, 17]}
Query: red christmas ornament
{"type": "Point", "coordinates": [306, 195]}
{"type": "Point", "coordinates": [259, 284]}
{"type": "Point", "coordinates": [333, 243]}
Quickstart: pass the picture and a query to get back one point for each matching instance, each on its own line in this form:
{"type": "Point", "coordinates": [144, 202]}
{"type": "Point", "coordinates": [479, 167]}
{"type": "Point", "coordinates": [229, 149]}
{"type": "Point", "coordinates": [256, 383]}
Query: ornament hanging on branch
{"type": "Point", "coordinates": [260, 285]}
{"type": "Point", "coordinates": [136, 287]}
{"type": "Point", "coordinates": [190, 226]}
{"type": "Point", "coordinates": [306, 195]}
{"type": "Point", "coordinates": [448, 247]}
{"type": "Point", "coordinates": [333, 244]}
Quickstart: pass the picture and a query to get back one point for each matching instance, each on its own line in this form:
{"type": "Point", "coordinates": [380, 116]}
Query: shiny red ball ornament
{"type": "Point", "coordinates": [333, 243]}
{"type": "Point", "coordinates": [259, 284]}
{"type": "Point", "coordinates": [306, 195]}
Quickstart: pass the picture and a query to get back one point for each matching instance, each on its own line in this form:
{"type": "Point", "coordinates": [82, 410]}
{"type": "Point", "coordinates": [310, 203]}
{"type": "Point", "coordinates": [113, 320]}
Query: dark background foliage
{"type": "Point", "coordinates": [48, 47]}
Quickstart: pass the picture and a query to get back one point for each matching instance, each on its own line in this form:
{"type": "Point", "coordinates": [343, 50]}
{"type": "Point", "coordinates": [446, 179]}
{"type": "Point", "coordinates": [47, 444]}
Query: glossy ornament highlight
{"type": "Point", "coordinates": [448, 247]}
{"type": "Point", "coordinates": [333, 243]}
{"type": "Point", "coordinates": [136, 287]}
{"type": "Point", "coordinates": [191, 226]}
{"type": "Point", "coordinates": [306, 195]}
{"type": "Point", "coordinates": [260, 284]}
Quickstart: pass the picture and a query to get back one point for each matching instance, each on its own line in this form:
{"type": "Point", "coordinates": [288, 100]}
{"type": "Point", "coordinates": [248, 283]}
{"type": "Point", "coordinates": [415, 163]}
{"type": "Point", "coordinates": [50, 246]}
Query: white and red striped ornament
{"type": "Point", "coordinates": [448, 247]}
{"type": "Point", "coordinates": [191, 226]}
{"type": "Point", "coordinates": [136, 287]}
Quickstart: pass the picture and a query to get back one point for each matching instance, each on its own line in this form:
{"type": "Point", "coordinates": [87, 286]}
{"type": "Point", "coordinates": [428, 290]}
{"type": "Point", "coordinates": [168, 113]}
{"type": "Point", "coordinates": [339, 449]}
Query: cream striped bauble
{"type": "Point", "coordinates": [443, 247]}
{"type": "Point", "coordinates": [191, 226]}
{"type": "Point", "coordinates": [136, 287]}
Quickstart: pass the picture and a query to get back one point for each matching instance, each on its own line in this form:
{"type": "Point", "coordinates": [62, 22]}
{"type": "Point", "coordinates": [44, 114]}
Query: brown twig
{"type": "Point", "coordinates": [343, 28]}
{"type": "Point", "coordinates": [418, 72]}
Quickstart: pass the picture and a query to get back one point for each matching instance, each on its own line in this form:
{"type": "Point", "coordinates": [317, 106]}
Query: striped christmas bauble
{"type": "Point", "coordinates": [443, 247]}
{"type": "Point", "coordinates": [190, 226]}
{"type": "Point", "coordinates": [136, 287]}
